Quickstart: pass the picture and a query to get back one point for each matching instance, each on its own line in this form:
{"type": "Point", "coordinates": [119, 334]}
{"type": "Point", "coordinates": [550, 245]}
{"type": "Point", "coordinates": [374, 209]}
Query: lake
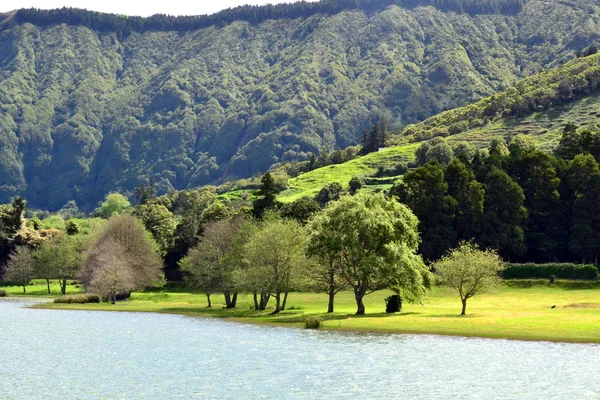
{"type": "Point", "coordinates": [51, 354]}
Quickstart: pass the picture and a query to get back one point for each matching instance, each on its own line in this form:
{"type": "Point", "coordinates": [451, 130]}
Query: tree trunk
{"type": "Point", "coordinates": [277, 303]}
{"type": "Point", "coordinates": [234, 300]}
{"type": "Point", "coordinates": [113, 298]}
{"type": "Point", "coordinates": [256, 305]}
{"type": "Point", "coordinates": [48, 282]}
{"type": "Point", "coordinates": [208, 299]}
{"type": "Point", "coordinates": [227, 299]}
{"type": "Point", "coordinates": [24, 289]}
{"type": "Point", "coordinates": [331, 291]}
{"type": "Point", "coordinates": [264, 300]}
{"type": "Point", "coordinates": [63, 287]}
{"type": "Point", "coordinates": [360, 307]}
{"type": "Point", "coordinates": [284, 301]}
{"type": "Point", "coordinates": [464, 306]}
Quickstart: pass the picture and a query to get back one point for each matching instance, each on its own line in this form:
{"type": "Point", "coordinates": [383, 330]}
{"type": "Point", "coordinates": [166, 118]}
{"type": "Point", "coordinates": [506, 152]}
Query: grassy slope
{"type": "Point", "coordinates": [544, 127]}
{"type": "Point", "coordinates": [510, 313]}
{"type": "Point", "coordinates": [310, 183]}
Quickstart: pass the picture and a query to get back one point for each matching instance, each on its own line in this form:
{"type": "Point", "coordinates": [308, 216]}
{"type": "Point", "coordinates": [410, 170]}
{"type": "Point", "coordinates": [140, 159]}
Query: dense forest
{"type": "Point", "coordinates": [124, 25]}
{"type": "Point", "coordinates": [88, 108]}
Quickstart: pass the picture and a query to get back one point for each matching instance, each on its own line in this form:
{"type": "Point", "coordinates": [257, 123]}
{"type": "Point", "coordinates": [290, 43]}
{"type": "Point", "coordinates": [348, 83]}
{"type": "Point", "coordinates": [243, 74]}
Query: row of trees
{"type": "Point", "coordinates": [116, 259]}
{"type": "Point", "coordinates": [253, 14]}
{"type": "Point", "coordinates": [363, 243]}
{"type": "Point", "coordinates": [525, 203]}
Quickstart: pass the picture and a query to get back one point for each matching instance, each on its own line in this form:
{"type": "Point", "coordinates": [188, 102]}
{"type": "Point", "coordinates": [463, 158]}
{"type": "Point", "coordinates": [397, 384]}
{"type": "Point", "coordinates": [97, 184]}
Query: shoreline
{"type": "Point", "coordinates": [47, 304]}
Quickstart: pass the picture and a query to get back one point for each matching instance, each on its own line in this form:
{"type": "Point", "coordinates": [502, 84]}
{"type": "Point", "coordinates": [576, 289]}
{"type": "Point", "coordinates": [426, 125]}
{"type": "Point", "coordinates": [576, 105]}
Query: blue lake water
{"type": "Point", "coordinates": [47, 354]}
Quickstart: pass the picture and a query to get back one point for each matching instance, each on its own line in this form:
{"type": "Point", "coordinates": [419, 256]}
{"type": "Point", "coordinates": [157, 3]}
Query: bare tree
{"type": "Point", "coordinates": [140, 252]}
{"type": "Point", "coordinates": [470, 271]}
{"type": "Point", "coordinates": [20, 268]}
{"type": "Point", "coordinates": [112, 274]}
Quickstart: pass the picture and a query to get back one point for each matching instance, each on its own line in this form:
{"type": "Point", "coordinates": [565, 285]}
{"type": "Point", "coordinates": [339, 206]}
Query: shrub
{"type": "Point", "coordinates": [564, 284]}
{"type": "Point", "coordinates": [3, 293]}
{"type": "Point", "coordinates": [312, 323]}
{"type": "Point", "coordinates": [561, 271]}
{"type": "Point", "coordinates": [79, 299]}
{"type": "Point", "coordinates": [393, 304]}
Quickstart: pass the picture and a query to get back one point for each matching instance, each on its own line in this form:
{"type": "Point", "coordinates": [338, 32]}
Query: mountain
{"type": "Point", "coordinates": [538, 106]}
{"type": "Point", "coordinates": [92, 103]}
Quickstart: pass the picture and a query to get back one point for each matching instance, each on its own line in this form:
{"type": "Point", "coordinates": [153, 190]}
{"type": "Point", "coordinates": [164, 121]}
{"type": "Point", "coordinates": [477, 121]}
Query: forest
{"type": "Point", "coordinates": [88, 109]}
{"type": "Point", "coordinates": [124, 25]}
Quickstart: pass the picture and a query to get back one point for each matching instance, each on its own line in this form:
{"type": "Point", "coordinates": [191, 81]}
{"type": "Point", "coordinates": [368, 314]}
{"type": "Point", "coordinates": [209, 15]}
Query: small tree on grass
{"type": "Point", "coordinates": [275, 256]}
{"type": "Point", "coordinates": [19, 268]}
{"type": "Point", "coordinates": [135, 253]}
{"type": "Point", "coordinates": [210, 265]}
{"type": "Point", "coordinates": [112, 273]}
{"type": "Point", "coordinates": [470, 271]}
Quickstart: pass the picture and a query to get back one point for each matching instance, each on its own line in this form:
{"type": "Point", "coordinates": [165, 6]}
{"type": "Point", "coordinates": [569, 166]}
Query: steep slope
{"type": "Point", "coordinates": [544, 124]}
{"type": "Point", "coordinates": [86, 110]}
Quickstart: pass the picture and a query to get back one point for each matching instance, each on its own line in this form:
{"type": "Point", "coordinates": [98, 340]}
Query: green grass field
{"type": "Point", "coordinates": [310, 183]}
{"type": "Point", "coordinates": [511, 313]}
{"type": "Point", "coordinates": [39, 288]}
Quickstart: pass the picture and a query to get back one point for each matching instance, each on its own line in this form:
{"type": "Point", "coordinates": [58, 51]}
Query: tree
{"type": "Point", "coordinates": [19, 268]}
{"type": "Point", "coordinates": [426, 194]}
{"type": "Point", "coordinates": [60, 258]}
{"type": "Point", "coordinates": [145, 193]}
{"type": "Point", "coordinates": [275, 255]}
{"type": "Point", "coordinates": [211, 264]}
{"type": "Point", "coordinates": [470, 271]}
{"type": "Point", "coordinates": [504, 214]}
{"type": "Point", "coordinates": [302, 210]}
{"type": "Point", "coordinates": [266, 196]}
{"type": "Point", "coordinates": [331, 192]}
{"type": "Point", "coordinates": [355, 184]}
{"type": "Point", "coordinates": [374, 139]}
{"type": "Point", "coordinates": [139, 253]}
{"type": "Point", "coordinates": [375, 241]}
{"type": "Point", "coordinates": [159, 221]}
{"type": "Point", "coordinates": [113, 275]}
{"type": "Point", "coordinates": [115, 203]}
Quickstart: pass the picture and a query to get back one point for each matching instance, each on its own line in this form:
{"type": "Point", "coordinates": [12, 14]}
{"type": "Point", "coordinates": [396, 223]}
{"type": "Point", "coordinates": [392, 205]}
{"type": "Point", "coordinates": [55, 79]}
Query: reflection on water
{"type": "Point", "coordinates": [46, 354]}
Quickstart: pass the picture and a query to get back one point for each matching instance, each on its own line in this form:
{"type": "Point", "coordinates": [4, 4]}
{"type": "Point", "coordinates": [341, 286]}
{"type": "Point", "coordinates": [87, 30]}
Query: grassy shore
{"type": "Point", "coordinates": [510, 313]}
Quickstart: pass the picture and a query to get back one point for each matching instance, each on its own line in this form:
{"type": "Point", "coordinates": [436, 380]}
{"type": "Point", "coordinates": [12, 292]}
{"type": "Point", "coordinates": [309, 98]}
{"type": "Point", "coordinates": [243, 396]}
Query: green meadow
{"type": "Point", "coordinates": [509, 313]}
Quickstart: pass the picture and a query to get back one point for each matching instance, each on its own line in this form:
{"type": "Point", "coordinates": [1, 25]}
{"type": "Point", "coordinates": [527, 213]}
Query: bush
{"type": "Point", "coordinates": [312, 323]}
{"type": "Point", "coordinates": [561, 271]}
{"type": "Point", "coordinates": [3, 293]}
{"type": "Point", "coordinates": [393, 304]}
{"type": "Point", "coordinates": [78, 299]}
{"type": "Point", "coordinates": [563, 284]}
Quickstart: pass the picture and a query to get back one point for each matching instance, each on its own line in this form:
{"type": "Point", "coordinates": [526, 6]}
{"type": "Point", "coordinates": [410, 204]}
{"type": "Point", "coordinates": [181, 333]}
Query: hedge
{"type": "Point", "coordinates": [562, 271]}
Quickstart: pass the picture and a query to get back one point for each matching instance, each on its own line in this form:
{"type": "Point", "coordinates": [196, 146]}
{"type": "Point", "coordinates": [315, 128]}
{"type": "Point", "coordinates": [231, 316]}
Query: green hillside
{"type": "Point", "coordinates": [91, 103]}
{"type": "Point", "coordinates": [544, 126]}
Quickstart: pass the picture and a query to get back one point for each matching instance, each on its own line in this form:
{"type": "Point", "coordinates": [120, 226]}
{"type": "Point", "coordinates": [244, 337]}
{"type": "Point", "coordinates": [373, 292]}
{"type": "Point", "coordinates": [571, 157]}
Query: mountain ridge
{"type": "Point", "coordinates": [84, 112]}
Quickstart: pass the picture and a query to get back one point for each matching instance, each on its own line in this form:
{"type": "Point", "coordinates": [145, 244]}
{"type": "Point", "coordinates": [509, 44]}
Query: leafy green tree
{"type": "Point", "coordinates": [266, 196]}
{"type": "Point", "coordinates": [584, 181]}
{"type": "Point", "coordinates": [469, 195]}
{"type": "Point", "coordinates": [355, 184]}
{"type": "Point", "coordinates": [145, 193]}
{"type": "Point", "coordinates": [302, 210]}
{"type": "Point", "coordinates": [442, 152]}
{"type": "Point", "coordinates": [535, 173]}
{"type": "Point", "coordinates": [375, 241]}
{"type": "Point", "coordinates": [211, 264]}
{"type": "Point", "coordinates": [114, 204]}
{"type": "Point", "coordinates": [60, 258]}
{"type": "Point", "coordinates": [331, 192]}
{"type": "Point", "coordinates": [19, 268]}
{"type": "Point", "coordinates": [159, 221]}
{"type": "Point", "coordinates": [504, 214]}
{"type": "Point", "coordinates": [425, 192]}
{"type": "Point", "coordinates": [470, 271]}
{"type": "Point", "coordinates": [275, 254]}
